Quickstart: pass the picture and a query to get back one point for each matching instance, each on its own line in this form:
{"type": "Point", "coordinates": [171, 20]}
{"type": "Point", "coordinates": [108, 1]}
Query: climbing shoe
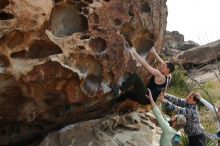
{"type": "Point", "coordinates": [116, 90]}
{"type": "Point", "coordinates": [218, 135]}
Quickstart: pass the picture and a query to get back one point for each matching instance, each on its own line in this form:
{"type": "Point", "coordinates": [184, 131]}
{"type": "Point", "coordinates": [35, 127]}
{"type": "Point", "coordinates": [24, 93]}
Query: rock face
{"type": "Point", "coordinates": [59, 58]}
{"type": "Point", "coordinates": [170, 52]}
{"type": "Point", "coordinates": [175, 41]}
{"type": "Point", "coordinates": [199, 55]}
{"type": "Point", "coordinates": [133, 129]}
{"type": "Point", "coordinates": [188, 45]}
{"type": "Point", "coordinates": [201, 62]}
{"type": "Point", "coordinates": [210, 72]}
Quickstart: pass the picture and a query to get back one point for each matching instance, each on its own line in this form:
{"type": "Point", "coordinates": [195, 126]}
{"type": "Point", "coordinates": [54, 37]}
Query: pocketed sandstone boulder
{"type": "Point", "coordinates": [58, 59]}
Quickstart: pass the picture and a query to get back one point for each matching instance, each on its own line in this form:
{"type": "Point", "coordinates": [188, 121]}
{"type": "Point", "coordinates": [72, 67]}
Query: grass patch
{"type": "Point", "coordinates": [213, 89]}
{"type": "Point", "coordinates": [180, 84]}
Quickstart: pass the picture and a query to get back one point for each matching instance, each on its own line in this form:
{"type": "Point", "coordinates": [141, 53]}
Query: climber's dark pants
{"type": "Point", "coordinates": [197, 140]}
{"type": "Point", "coordinates": [138, 91]}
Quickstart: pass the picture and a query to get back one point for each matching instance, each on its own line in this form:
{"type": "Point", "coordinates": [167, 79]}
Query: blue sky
{"type": "Point", "coordinates": [197, 20]}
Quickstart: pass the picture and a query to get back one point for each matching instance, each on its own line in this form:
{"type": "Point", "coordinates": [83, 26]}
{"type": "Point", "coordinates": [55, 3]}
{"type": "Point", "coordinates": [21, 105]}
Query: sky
{"type": "Point", "coordinates": [197, 20]}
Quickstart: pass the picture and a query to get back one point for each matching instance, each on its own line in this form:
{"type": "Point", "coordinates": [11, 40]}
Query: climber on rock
{"type": "Point", "coordinates": [158, 82]}
{"type": "Point", "coordinates": [187, 107]}
{"type": "Point", "coordinates": [170, 135]}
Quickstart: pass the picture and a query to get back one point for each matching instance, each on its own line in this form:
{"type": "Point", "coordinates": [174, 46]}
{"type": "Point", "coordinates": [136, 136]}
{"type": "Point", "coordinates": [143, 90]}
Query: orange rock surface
{"type": "Point", "coordinates": [59, 58]}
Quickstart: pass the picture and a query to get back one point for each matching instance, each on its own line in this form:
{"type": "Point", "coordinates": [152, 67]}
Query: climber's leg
{"type": "Point", "coordinates": [138, 92]}
{"type": "Point", "coordinates": [127, 85]}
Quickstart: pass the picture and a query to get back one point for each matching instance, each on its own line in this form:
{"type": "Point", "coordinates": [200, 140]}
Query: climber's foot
{"type": "Point", "coordinates": [116, 90]}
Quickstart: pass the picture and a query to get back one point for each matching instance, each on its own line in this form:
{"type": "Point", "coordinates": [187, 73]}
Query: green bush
{"type": "Point", "coordinates": [180, 84]}
{"type": "Point", "coordinates": [184, 140]}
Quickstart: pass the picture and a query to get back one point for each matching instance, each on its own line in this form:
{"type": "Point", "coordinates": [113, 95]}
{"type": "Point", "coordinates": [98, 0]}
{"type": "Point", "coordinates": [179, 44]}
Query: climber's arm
{"type": "Point", "coordinates": [152, 70]}
{"type": "Point", "coordinates": [205, 102]}
{"type": "Point", "coordinates": [153, 51]}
